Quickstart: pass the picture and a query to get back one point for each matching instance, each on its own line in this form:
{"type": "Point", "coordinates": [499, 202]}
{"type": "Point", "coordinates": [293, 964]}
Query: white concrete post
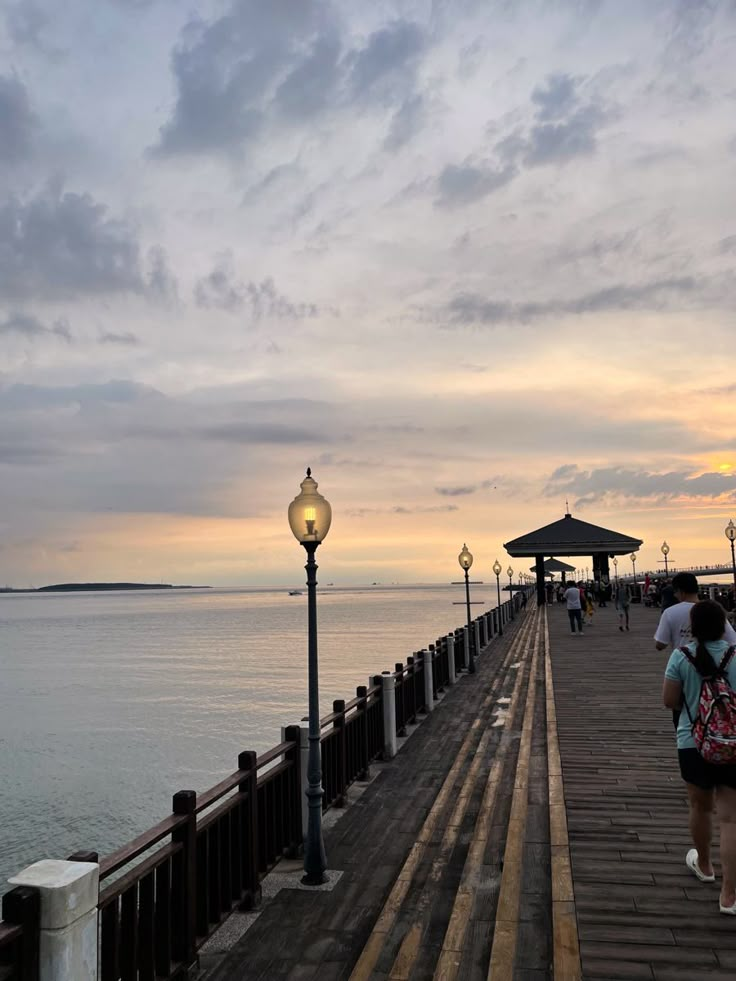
{"type": "Point", "coordinates": [451, 658]}
{"type": "Point", "coordinates": [477, 638]}
{"type": "Point", "coordinates": [712, 592]}
{"type": "Point", "coordinates": [68, 939]}
{"type": "Point", "coordinates": [388, 697]}
{"type": "Point", "coordinates": [428, 681]}
{"type": "Point", "coordinates": [466, 646]}
{"type": "Point", "coordinates": [303, 761]}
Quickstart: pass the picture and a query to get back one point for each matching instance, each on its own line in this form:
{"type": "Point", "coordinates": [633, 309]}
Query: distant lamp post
{"type": "Point", "coordinates": [731, 536]}
{"type": "Point", "coordinates": [665, 550]}
{"type": "Point", "coordinates": [615, 569]}
{"type": "Point", "coordinates": [633, 565]}
{"type": "Point", "coordinates": [465, 558]}
{"type": "Point", "coordinates": [497, 570]}
{"type": "Point", "coordinates": [510, 574]}
{"type": "Point", "coordinates": [309, 517]}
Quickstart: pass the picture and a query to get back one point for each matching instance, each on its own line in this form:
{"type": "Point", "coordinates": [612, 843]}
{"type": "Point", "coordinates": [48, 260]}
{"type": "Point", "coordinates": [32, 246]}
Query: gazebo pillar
{"type": "Point", "coordinates": [539, 569]}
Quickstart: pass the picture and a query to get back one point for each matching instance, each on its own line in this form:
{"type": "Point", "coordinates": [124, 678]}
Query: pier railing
{"type": "Point", "coordinates": [166, 892]}
{"type": "Point", "coordinates": [19, 935]}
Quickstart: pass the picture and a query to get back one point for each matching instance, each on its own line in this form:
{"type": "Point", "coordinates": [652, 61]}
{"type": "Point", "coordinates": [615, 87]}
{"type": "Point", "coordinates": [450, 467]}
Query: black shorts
{"type": "Point", "coordinates": [695, 770]}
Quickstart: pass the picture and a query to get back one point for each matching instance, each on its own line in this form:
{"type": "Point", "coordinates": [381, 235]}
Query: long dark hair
{"type": "Point", "coordinates": [708, 623]}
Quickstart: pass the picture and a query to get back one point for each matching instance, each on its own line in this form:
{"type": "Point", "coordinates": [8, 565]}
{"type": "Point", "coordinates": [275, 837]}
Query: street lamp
{"type": "Point", "coordinates": [633, 566]}
{"type": "Point", "coordinates": [731, 536]}
{"type": "Point", "coordinates": [465, 558]}
{"type": "Point", "coordinates": [309, 518]}
{"type": "Point", "coordinates": [665, 551]}
{"type": "Point", "coordinates": [497, 570]}
{"type": "Point", "coordinates": [615, 569]}
{"type": "Point", "coordinates": [510, 574]}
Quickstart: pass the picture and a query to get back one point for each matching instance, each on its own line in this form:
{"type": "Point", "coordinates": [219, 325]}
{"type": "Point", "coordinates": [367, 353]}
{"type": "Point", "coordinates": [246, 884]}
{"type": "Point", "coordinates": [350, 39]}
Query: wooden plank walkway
{"type": "Point", "coordinates": [456, 863]}
{"type": "Point", "coordinates": [642, 916]}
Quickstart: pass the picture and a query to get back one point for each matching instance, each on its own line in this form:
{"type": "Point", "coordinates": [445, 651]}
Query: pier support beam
{"type": "Point", "coordinates": [68, 937]}
{"type": "Point", "coordinates": [388, 697]}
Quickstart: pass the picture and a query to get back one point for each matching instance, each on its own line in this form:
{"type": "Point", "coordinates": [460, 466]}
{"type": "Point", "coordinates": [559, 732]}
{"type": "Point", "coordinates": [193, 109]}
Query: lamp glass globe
{"type": "Point", "coordinates": [310, 515]}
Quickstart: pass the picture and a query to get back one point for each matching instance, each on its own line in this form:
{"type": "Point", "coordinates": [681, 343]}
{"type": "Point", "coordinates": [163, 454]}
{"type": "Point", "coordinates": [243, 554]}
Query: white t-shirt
{"type": "Point", "coordinates": [572, 595]}
{"type": "Point", "coordinates": [674, 627]}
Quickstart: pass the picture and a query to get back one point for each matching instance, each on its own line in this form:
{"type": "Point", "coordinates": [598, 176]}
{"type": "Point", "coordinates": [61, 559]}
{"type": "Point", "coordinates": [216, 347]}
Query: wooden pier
{"type": "Point", "coordinates": [533, 827]}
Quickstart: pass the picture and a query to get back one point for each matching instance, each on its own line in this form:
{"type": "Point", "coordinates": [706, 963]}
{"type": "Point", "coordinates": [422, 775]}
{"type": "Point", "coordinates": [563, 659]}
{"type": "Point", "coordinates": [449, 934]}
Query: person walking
{"type": "Point", "coordinates": [574, 608]}
{"type": "Point", "coordinates": [622, 604]}
{"type": "Point", "coordinates": [706, 782]}
{"type": "Point", "coordinates": [673, 629]}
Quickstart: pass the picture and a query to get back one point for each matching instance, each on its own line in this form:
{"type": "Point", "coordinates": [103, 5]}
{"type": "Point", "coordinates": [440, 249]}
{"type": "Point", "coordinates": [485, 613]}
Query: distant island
{"type": "Point", "coordinates": [80, 587]}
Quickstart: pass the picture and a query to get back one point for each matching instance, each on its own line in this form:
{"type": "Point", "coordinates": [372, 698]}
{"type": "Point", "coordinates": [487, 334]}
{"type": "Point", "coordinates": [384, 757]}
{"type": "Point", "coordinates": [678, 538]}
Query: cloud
{"type": "Point", "coordinates": [222, 290]}
{"type": "Point", "coordinates": [559, 142]}
{"type": "Point", "coordinates": [386, 64]}
{"type": "Point", "coordinates": [260, 63]}
{"type": "Point", "coordinates": [456, 491]}
{"type": "Point", "coordinates": [127, 339]}
{"type": "Point", "coordinates": [406, 122]}
{"type": "Point", "coordinates": [60, 245]}
{"type": "Point", "coordinates": [463, 184]}
{"type": "Point", "coordinates": [225, 71]}
{"type": "Point", "coordinates": [556, 98]}
{"type": "Point", "coordinates": [31, 327]}
{"type": "Point", "coordinates": [472, 308]}
{"type": "Point", "coordinates": [17, 121]}
{"type": "Point", "coordinates": [609, 484]}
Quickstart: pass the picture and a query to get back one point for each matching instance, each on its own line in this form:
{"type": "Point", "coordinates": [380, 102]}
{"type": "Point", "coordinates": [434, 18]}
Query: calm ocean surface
{"type": "Point", "coordinates": [111, 702]}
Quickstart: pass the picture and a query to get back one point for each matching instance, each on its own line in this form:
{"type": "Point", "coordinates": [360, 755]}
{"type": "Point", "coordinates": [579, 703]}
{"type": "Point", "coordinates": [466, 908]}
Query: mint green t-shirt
{"type": "Point", "coordinates": [680, 669]}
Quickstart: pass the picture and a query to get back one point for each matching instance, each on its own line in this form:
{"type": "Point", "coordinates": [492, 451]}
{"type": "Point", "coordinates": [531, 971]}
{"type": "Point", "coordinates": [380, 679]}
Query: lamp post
{"type": "Point", "coordinates": [465, 558]}
{"type": "Point", "coordinates": [309, 517]}
{"type": "Point", "coordinates": [665, 550]}
{"type": "Point", "coordinates": [497, 570]}
{"type": "Point", "coordinates": [615, 569]}
{"type": "Point", "coordinates": [730, 532]}
{"type": "Point", "coordinates": [633, 566]}
{"type": "Point", "coordinates": [510, 574]}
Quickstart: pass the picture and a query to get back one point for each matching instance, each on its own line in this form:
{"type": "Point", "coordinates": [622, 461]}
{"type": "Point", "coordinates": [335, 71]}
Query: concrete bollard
{"type": "Point", "coordinates": [388, 697]}
{"type": "Point", "coordinates": [68, 937]}
{"type": "Point", "coordinates": [451, 658]}
{"type": "Point", "coordinates": [428, 681]}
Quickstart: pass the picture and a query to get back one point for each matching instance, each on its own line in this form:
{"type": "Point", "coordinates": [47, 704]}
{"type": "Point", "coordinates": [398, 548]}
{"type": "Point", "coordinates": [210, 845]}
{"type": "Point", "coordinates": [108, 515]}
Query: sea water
{"type": "Point", "coordinates": [112, 701]}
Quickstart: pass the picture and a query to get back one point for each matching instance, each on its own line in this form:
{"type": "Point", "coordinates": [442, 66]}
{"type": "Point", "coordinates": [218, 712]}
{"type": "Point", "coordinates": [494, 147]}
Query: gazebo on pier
{"type": "Point", "coordinates": [554, 566]}
{"type": "Point", "coordinates": [570, 536]}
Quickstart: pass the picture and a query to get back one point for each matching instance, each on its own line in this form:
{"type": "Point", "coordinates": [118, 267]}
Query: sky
{"type": "Point", "coordinates": [467, 259]}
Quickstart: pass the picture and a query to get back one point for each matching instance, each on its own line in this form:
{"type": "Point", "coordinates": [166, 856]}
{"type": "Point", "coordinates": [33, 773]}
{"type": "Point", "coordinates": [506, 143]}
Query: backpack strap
{"type": "Point", "coordinates": [726, 659]}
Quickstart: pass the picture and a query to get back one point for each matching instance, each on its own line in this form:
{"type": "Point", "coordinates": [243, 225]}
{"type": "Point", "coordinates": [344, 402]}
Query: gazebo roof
{"type": "Point", "coordinates": [554, 565]}
{"type": "Point", "coordinates": [570, 536]}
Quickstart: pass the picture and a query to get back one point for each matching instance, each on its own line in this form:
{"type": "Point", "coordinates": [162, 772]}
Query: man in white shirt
{"type": "Point", "coordinates": [673, 629]}
{"type": "Point", "coordinates": [574, 608]}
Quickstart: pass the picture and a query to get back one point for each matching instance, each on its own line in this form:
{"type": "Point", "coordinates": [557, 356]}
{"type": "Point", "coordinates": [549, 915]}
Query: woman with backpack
{"type": "Point", "coordinates": [701, 676]}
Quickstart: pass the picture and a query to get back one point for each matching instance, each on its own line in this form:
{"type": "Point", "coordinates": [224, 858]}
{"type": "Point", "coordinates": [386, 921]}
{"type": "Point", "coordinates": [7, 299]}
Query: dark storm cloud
{"type": "Point", "coordinates": [60, 245]}
{"type": "Point", "coordinates": [258, 60]}
{"type": "Point", "coordinates": [615, 482]}
{"type": "Point", "coordinates": [17, 120]}
{"type": "Point", "coordinates": [222, 290]}
{"type": "Point", "coordinates": [471, 308]}
{"type": "Point", "coordinates": [463, 184]}
{"type": "Point", "coordinates": [31, 327]}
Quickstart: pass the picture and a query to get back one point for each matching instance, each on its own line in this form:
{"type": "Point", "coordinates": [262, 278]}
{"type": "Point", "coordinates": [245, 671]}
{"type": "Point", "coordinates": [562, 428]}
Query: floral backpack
{"type": "Point", "coordinates": [714, 727]}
